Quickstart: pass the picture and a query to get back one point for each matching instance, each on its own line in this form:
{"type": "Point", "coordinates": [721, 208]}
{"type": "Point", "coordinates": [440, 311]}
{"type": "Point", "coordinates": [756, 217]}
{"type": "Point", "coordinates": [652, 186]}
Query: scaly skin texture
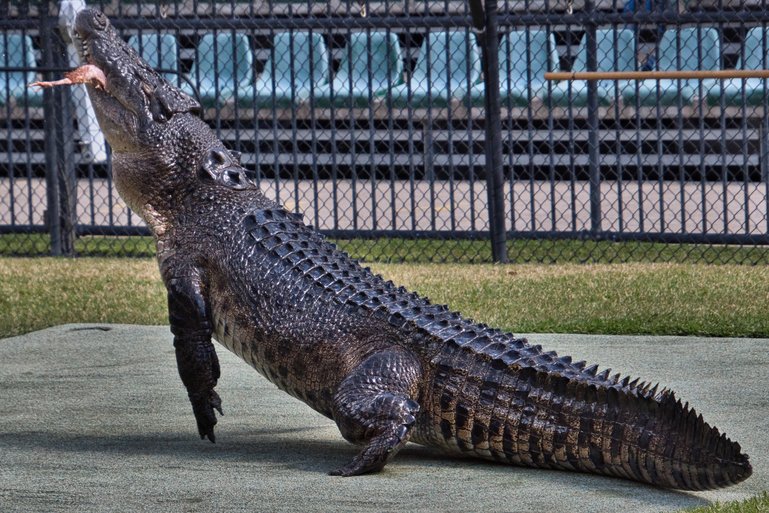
{"type": "Point", "coordinates": [387, 365]}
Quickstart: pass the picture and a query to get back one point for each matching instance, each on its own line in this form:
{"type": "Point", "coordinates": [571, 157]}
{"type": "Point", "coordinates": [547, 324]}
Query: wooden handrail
{"type": "Point", "coordinates": [643, 75]}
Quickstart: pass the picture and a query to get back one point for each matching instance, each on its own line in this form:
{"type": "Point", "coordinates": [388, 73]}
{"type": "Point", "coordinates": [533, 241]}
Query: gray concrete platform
{"type": "Point", "coordinates": [94, 418]}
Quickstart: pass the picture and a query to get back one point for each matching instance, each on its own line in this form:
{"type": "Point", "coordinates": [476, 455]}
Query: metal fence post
{"type": "Point", "coordinates": [763, 152]}
{"type": "Point", "coordinates": [60, 176]}
{"type": "Point", "coordinates": [764, 164]}
{"type": "Point", "coordinates": [493, 148]}
{"type": "Point", "coordinates": [592, 123]}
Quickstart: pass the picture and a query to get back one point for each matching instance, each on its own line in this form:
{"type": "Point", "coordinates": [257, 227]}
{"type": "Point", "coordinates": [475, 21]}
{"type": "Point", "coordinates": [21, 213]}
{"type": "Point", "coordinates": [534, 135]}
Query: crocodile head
{"type": "Point", "coordinates": [160, 149]}
{"type": "Point", "coordinates": [134, 98]}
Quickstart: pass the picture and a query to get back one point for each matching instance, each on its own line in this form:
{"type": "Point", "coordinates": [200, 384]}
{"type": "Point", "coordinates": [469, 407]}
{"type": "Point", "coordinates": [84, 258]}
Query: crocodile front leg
{"type": "Point", "coordinates": [374, 407]}
{"type": "Point", "coordinates": [189, 315]}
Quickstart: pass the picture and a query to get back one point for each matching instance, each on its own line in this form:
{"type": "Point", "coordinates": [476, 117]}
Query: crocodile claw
{"type": "Point", "coordinates": [203, 406]}
{"type": "Point", "coordinates": [374, 456]}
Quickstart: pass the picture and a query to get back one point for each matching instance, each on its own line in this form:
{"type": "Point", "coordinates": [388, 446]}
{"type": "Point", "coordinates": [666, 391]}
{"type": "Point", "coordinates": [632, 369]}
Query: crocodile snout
{"type": "Point", "coordinates": [90, 21]}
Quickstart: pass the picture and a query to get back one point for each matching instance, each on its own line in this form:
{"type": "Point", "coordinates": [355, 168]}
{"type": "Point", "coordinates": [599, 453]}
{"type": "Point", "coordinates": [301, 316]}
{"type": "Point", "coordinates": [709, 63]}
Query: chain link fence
{"type": "Point", "coordinates": [422, 130]}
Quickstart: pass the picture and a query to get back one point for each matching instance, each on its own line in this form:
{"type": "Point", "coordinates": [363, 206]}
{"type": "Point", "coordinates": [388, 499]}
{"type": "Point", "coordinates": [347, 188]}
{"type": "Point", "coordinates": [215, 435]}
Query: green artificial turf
{"type": "Point", "coordinates": [656, 299]}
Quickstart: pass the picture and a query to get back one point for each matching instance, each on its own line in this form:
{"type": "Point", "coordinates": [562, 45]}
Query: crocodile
{"type": "Point", "coordinates": [385, 364]}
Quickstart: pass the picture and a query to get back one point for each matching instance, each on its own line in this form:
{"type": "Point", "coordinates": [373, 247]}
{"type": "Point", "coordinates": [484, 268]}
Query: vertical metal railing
{"type": "Point", "coordinates": [487, 15]}
{"type": "Point", "coordinates": [61, 179]}
{"type": "Point", "coordinates": [594, 157]}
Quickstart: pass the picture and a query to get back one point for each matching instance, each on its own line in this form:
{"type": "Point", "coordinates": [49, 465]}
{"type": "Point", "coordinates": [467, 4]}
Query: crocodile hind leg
{"type": "Point", "coordinates": [375, 407]}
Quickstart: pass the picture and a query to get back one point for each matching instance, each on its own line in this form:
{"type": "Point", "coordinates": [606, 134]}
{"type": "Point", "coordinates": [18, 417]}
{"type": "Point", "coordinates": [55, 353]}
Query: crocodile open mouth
{"type": "Point", "coordinates": [89, 73]}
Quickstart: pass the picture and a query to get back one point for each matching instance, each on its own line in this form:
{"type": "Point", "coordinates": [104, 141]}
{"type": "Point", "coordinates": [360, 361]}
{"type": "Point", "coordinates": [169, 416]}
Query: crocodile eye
{"type": "Point", "coordinates": [219, 156]}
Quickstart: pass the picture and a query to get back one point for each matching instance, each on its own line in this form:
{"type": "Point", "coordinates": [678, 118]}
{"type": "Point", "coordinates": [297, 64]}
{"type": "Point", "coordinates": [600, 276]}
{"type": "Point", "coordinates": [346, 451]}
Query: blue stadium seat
{"type": "Point", "coordinates": [159, 50]}
{"type": "Point", "coordinates": [692, 48]}
{"type": "Point", "coordinates": [222, 70]}
{"type": "Point", "coordinates": [16, 50]}
{"type": "Point", "coordinates": [298, 67]}
{"type": "Point", "coordinates": [371, 64]}
{"type": "Point", "coordinates": [524, 57]}
{"type": "Point", "coordinates": [449, 64]}
{"type": "Point", "coordinates": [755, 55]}
{"type": "Point", "coordinates": [615, 51]}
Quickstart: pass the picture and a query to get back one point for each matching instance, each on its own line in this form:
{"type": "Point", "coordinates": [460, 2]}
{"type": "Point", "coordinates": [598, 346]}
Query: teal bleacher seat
{"type": "Point", "coordinates": [16, 51]}
{"type": "Point", "coordinates": [449, 64]}
{"type": "Point", "coordinates": [524, 57]}
{"type": "Point", "coordinates": [298, 66]}
{"type": "Point", "coordinates": [222, 70]}
{"type": "Point", "coordinates": [691, 48]}
{"type": "Point", "coordinates": [755, 55]}
{"type": "Point", "coordinates": [615, 51]}
{"type": "Point", "coordinates": [160, 51]}
{"type": "Point", "coordinates": [371, 64]}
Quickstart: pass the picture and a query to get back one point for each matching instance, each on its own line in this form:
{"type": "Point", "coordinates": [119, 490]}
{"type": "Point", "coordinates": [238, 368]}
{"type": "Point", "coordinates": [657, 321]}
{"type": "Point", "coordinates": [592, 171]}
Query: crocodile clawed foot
{"type": "Point", "coordinates": [375, 455]}
{"type": "Point", "coordinates": [374, 408]}
{"type": "Point", "coordinates": [203, 406]}
{"type": "Point", "coordinates": [357, 467]}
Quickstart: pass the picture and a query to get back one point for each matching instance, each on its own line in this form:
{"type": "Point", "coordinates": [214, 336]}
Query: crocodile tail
{"type": "Point", "coordinates": [605, 426]}
{"type": "Point", "coordinates": [650, 436]}
{"type": "Point", "coordinates": [680, 449]}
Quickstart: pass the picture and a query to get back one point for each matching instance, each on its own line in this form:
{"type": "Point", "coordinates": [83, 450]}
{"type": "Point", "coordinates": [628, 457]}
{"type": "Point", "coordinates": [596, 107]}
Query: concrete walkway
{"type": "Point", "coordinates": [94, 418]}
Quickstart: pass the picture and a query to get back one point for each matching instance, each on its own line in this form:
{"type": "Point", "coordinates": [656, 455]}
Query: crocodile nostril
{"type": "Point", "coordinates": [100, 20]}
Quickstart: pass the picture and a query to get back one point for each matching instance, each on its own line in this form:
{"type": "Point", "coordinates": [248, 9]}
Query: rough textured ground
{"type": "Point", "coordinates": [94, 418]}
